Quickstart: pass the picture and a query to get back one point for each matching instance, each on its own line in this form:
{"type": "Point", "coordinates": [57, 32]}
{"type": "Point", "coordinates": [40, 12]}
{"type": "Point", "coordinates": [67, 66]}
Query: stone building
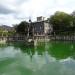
{"type": "Point", "coordinates": [41, 27]}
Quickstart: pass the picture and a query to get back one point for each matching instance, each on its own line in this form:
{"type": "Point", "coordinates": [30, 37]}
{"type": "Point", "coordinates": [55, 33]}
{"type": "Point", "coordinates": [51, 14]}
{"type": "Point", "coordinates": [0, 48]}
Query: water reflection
{"type": "Point", "coordinates": [58, 50]}
{"type": "Point", "coordinates": [47, 58]}
{"type": "Point", "coordinates": [62, 50]}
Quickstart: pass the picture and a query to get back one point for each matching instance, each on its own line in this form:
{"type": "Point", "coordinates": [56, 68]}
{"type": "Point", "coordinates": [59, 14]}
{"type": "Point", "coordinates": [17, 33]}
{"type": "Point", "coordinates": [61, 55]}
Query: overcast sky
{"type": "Point", "coordinates": [14, 11]}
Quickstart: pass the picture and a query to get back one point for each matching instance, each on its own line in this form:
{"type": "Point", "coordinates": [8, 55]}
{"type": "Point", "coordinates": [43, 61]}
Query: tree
{"type": "Point", "coordinates": [3, 32]}
{"type": "Point", "coordinates": [22, 28]}
{"type": "Point", "coordinates": [73, 15]}
{"type": "Point", "coordinates": [61, 21]}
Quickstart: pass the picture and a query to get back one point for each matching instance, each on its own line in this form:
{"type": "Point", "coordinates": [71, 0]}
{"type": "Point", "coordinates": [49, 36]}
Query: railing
{"type": "Point", "coordinates": [65, 38]}
{"type": "Point", "coordinates": [41, 37]}
{"type": "Point", "coordinates": [13, 38]}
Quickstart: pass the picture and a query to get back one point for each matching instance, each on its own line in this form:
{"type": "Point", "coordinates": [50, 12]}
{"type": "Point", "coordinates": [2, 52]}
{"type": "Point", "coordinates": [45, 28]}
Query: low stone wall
{"type": "Point", "coordinates": [16, 38]}
{"type": "Point", "coordinates": [65, 38]}
{"type": "Point", "coordinates": [10, 39]}
{"type": "Point", "coordinates": [3, 41]}
{"type": "Point", "coordinates": [51, 37]}
{"type": "Point", "coordinates": [38, 38]}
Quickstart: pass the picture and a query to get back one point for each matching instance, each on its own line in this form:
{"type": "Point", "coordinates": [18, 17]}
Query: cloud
{"type": "Point", "coordinates": [14, 11]}
{"type": "Point", "coordinates": [8, 19]}
{"type": "Point", "coordinates": [36, 8]}
{"type": "Point", "coordinates": [21, 1]}
{"type": "Point", "coordinates": [5, 10]}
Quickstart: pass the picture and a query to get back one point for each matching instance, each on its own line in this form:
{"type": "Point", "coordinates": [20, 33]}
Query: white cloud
{"type": "Point", "coordinates": [8, 19]}
{"type": "Point", "coordinates": [33, 8]}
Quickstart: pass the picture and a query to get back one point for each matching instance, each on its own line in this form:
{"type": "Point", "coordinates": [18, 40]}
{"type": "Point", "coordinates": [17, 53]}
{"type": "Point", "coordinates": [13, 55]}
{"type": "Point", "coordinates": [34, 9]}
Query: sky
{"type": "Point", "coordinates": [14, 11]}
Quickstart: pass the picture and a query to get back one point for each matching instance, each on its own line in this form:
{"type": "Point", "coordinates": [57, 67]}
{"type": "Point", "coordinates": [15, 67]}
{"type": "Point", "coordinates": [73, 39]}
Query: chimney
{"type": "Point", "coordinates": [41, 18]}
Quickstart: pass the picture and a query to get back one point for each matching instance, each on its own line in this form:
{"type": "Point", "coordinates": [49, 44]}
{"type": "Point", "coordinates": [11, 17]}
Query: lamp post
{"type": "Point", "coordinates": [29, 27]}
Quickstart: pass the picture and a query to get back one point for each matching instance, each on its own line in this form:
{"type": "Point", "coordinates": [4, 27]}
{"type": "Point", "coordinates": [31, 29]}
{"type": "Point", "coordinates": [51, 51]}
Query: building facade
{"type": "Point", "coordinates": [41, 27]}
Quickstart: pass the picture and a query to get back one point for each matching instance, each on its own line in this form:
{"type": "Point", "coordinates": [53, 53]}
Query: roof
{"type": "Point", "coordinates": [40, 21]}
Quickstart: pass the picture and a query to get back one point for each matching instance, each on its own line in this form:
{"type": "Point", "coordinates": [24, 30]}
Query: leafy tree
{"type": "Point", "coordinates": [22, 28]}
{"type": "Point", "coordinates": [73, 15]}
{"type": "Point", "coordinates": [3, 32]}
{"type": "Point", "coordinates": [61, 21]}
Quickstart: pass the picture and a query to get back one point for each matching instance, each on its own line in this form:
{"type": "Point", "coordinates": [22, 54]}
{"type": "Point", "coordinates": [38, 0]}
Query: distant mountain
{"type": "Point", "coordinates": [8, 28]}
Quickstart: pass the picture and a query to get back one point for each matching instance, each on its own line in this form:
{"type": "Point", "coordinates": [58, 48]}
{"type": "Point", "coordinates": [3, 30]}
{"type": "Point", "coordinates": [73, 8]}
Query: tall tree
{"type": "Point", "coordinates": [61, 21]}
{"type": "Point", "coordinates": [73, 15]}
{"type": "Point", "coordinates": [22, 28]}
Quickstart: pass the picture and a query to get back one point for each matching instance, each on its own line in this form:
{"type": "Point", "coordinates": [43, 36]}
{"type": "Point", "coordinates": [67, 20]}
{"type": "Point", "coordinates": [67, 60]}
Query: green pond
{"type": "Point", "coordinates": [46, 58]}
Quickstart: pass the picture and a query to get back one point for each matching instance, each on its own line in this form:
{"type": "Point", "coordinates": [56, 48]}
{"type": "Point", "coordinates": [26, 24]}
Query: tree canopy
{"type": "Point", "coordinates": [22, 28]}
{"type": "Point", "coordinates": [61, 21]}
{"type": "Point", "coordinates": [61, 18]}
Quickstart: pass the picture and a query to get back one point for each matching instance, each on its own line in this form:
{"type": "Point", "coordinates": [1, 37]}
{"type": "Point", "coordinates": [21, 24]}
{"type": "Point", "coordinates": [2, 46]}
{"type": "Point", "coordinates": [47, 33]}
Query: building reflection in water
{"type": "Point", "coordinates": [58, 50]}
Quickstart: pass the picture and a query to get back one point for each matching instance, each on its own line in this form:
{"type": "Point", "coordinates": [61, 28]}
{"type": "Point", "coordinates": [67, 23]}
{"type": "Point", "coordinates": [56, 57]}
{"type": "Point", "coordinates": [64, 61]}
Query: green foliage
{"type": "Point", "coordinates": [61, 18]}
{"type": "Point", "coordinates": [22, 28]}
{"type": "Point", "coordinates": [3, 32]}
{"type": "Point", "coordinates": [73, 15]}
{"type": "Point", "coordinates": [10, 33]}
{"type": "Point", "coordinates": [61, 21]}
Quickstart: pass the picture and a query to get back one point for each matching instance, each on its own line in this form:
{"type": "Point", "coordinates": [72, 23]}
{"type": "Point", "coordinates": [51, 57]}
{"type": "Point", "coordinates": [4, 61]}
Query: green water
{"type": "Point", "coordinates": [49, 58]}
